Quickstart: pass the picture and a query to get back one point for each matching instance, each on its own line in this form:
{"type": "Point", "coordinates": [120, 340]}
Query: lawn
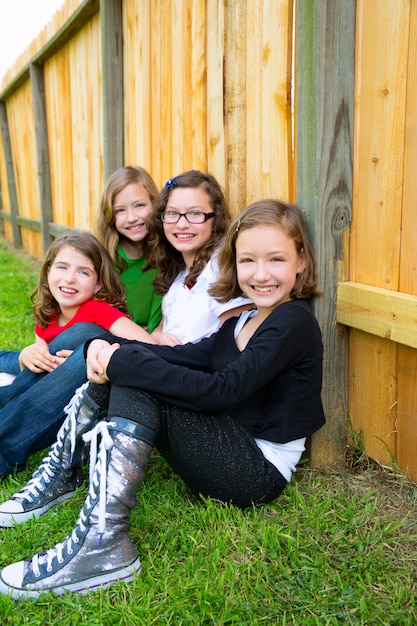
{"type": "Point", "coordinates": [338, 547]}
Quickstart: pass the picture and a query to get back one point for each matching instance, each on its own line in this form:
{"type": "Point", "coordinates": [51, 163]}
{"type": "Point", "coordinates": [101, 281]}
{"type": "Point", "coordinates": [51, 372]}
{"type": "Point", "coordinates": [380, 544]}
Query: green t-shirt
{"type": "Point", "coordinates": [143, 304]}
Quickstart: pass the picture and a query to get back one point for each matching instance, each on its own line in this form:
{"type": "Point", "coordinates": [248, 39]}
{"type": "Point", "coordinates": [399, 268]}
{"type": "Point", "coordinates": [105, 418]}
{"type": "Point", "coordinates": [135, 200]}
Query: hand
{"type": "Point", "coordinates": [38, 359]}
{"type": "Point", "coordinates": [165, 339]}
{"type": "Point", "coordinates": [62, 355]}
{"type": "Point", "coordinates": [99, 354]}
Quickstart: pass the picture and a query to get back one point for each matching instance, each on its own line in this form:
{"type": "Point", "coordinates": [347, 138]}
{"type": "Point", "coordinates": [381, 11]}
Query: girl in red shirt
{"type": "Point", "coordinates": [77, 284]}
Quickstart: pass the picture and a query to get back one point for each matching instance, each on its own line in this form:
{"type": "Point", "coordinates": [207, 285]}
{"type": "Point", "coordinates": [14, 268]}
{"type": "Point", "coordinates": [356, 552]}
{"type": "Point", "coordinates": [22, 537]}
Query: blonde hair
{"type": "Point", "coordinates": [107, 232]}
{"type": "Point", "coordinates": [266, 212]}
{"type": "Point", "coordinates": [45, 307]}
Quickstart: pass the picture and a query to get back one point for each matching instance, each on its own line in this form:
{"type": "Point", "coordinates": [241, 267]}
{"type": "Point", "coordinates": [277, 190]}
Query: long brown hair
{"type": "Point", "coordinates": [265, 212]}
{"type": "Point", "coordinates": [45, 307]}
{"type": "Point", "coordinates": [162, 254]}
{"type": "Point", "coordinates": [106, 229]}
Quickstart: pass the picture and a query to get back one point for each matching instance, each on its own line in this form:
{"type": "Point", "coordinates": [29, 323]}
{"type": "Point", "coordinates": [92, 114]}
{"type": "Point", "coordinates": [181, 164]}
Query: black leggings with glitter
{"type": "Point", "coordinates": [214, 455]}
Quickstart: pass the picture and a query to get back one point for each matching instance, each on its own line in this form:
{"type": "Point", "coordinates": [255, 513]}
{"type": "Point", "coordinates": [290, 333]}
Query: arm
{"type": "Point", "coordinates": [37, 357]}
{"type": "Point", "coordinates": [124, 327]}
{"type": "Point", "coordinates": [99, 351]}
{"type": "Point", "coordinates": [275, 347]}
{"type": "Point", "coordinates": [164, 339]}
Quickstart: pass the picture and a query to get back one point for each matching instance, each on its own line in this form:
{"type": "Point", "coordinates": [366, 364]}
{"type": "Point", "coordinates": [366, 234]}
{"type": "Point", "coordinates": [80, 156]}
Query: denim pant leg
{"type": "Point", "coordinates": [31, 420]}
{"type": "Point", "coordinates": [69, 340]}
{"type": "Point", "coordinates": [9, 362]}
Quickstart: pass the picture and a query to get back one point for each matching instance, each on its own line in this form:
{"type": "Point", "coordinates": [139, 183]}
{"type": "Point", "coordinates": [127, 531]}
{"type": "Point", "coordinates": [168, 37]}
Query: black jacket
{"type": "Point", "coordinates": [272, 387]}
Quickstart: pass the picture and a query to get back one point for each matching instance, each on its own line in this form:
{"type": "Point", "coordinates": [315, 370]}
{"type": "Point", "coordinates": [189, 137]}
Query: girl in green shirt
{"type": "Point", "coordinates": [126, 206]}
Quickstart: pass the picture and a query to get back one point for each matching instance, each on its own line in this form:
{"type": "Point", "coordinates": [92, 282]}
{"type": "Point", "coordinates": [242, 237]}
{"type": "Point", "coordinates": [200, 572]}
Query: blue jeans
{"type": "Point", "coordinates": [9, 362]}
{"type": "Point", "coordinates": [32, 407]}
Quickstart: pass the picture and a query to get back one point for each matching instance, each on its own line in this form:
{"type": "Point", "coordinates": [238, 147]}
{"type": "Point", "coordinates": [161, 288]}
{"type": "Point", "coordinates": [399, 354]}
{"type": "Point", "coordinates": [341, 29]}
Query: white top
{"type": "Point", "coordinates": [191, 314]}
{"type": "Point", "coordinates": [284, 456]}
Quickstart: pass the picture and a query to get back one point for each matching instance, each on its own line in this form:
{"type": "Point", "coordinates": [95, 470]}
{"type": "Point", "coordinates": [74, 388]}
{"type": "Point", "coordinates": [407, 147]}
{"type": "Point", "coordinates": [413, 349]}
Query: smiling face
{"type": "Point", "coordinates": [267, 266]}
{"type": "Point", "coordinates": [185, 237]}
{"type": "Point", "coordinates": [132, 208]}
{"type": "Point", "coordinates": [72, 280]}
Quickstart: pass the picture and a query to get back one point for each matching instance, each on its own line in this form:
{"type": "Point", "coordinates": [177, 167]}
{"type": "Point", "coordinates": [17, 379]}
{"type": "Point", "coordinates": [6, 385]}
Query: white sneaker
{"type": "Point", "coordinates": [6, 379]}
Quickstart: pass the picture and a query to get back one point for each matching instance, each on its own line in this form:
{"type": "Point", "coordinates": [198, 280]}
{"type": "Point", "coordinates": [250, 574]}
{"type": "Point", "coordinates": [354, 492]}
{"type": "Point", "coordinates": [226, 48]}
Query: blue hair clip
{"type": "Point", "coordinates": [171, 182]}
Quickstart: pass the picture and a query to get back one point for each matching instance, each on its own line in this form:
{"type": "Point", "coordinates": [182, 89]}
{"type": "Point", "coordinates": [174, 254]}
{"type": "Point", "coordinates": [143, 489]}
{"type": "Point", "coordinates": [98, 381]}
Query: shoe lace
{"type": "Point", "coordinates": [48, 467]}
{"type": "Point", "coordinates": [101, 429]}
{"type": "Point", "coordinates": [72, 410]}
{"type": "Point", "coordinates": [37, 484]}
{"type": "Point", "coordinates": [98, 482]}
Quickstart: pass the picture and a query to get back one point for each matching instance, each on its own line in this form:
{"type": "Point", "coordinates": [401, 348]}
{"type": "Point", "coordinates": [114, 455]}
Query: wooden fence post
{"type": "Point", "coordinates": [42, 152]}
{"type": "Point", "coordinates": [111, 25]}
{"type": "Point", "coordinates": [325, 34]}
{"type": "Point", "coordinates": [11, 182]}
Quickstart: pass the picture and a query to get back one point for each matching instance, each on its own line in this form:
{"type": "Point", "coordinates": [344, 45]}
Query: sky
{"type": "Point", "coordinates": [20, 22]}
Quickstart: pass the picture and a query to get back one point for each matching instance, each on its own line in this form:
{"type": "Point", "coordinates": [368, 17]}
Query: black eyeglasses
{"type": "Point", "coordinates": [193, 217]}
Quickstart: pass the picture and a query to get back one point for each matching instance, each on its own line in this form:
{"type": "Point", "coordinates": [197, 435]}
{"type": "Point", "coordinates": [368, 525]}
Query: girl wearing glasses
{"type": "Point", "coordinates": [187, 225]}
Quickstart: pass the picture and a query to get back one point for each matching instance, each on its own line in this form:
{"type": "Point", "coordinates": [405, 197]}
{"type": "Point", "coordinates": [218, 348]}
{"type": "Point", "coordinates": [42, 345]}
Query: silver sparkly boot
{"type": "Point", "coordinates": [59, 474]}
{"type": "Point", "coordinates": [99, 550]}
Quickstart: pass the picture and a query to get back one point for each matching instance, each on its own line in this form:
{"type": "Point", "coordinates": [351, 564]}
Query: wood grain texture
{"type": "Point", "coordinates": [383, 225]}
{"type": "Point", "coordinates": [138, 83]}
{"type": "Point", "coordinates": [37, 83]}
{"type": "Point", "coordinates": [59, 119]}
{"type": "Point", "coordinates": [8, 182]}
{"type": "Point", "coordinates": [325, 88]}
{"type": "Point", "coordinates": [382, 312]}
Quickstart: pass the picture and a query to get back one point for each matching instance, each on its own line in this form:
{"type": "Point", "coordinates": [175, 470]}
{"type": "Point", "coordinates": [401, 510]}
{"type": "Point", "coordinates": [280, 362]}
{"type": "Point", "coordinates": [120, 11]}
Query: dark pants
{"type": "Point", "coordinates": [213, 454]}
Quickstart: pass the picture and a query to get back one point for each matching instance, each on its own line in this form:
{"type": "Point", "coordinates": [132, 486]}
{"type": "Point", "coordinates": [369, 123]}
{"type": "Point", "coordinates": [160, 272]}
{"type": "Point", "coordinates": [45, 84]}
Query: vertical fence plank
{"type": "Point", "coordinates": [325, 64]}
{"type": "Point", "coordinates": [408, 260]}
{"type": "Point", "coordinates": [277, 59]}
{"type": "Point", "coordinates": [235, 98]}
{"type": "Point", "coordinates": [157, 94]}
{"type": "Point", "coordinates": [405, 454]}
{"type": "Point", "coordinates": [23, 144]}
{"type": "Point", "coordinates": [59, 119]}
{"type": "Point", "coordinates": [94, 101]}
{"type": "Point", "coordinates": [197, 79]}
{"type": "Point", "coordinates": [407, 358]}
{"type": "Point", "coordinates": [42, 152]}
{"type": "Point", "coordinates": [268, 100]}
{"type": "Point", "coordinates": [253, 99]}
{"type": "Point", "coordinates": [138, 82]}
{"type": "Point", "coordinates": [112, 84]}
{"type": "Point", "coordinates": [87, 132]}
{"type": "Point", "coordinates": [11, 182]}
{"type": "Point", "coordinates": [380, 90]}
{"type": "Point", "coordinates": [178, 58]}
{"type": "Point", "coordinates": [166, 69]}
{"type": "Point", "coordinates": [215, 139]}
{"type": "Point", "coordinates": [80, 130]}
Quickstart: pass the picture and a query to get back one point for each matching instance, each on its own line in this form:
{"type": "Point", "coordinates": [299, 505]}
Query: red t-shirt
{"type": "Point", "coordinates": [101, 313]}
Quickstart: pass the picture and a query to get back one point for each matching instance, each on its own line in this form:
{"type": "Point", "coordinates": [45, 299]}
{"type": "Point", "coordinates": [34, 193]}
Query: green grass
{"type": "Point", "coordinates": [19, 275]}
{"type": "Point", "coordinates": [338, 547]}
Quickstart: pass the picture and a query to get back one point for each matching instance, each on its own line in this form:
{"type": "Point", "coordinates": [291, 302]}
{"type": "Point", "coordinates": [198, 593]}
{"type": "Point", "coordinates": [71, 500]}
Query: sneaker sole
{"type": "Point", "coordinates": [124, 575]}
{"type": "Point", "coordinates": [8, 520]}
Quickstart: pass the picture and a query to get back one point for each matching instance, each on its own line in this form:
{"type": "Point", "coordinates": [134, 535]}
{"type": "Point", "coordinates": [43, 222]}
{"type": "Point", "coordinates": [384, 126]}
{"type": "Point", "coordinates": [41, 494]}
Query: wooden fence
{"type": "Point", "coordinates": [380, 302]}
{"type": "Point", "coordinates": [306, 100]}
